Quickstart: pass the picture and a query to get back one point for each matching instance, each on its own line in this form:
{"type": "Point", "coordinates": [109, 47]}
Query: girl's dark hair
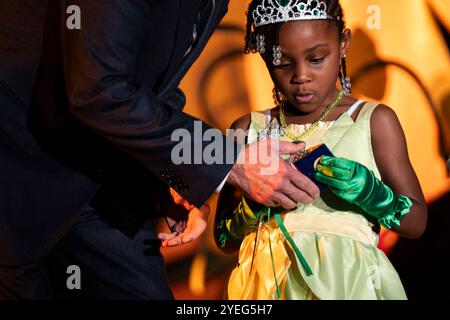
{"type": "Point", "coordinates": [271, 31]}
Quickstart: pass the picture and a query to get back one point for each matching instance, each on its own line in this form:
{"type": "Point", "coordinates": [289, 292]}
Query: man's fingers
{"type": "Point", "coordinates": [193, 233]}
{"type": "Point", "coordinates": [297, 195]}
{"type": "Point", "coordinates": [196, 225]}
{"type": "Point", "coordinates": [285, 202]}
{"type": "Point", "coordinates": [172, 242]}
{"type": "Point", "coordinates": [190, 234]}
{"type": "Point", "coordinates": [166, 236]}
{"type": "Point", "coordinates": [304, 184]}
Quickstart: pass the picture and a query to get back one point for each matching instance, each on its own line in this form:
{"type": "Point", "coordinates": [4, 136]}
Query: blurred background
{"type": "Point", "coordinates": [400, 56]}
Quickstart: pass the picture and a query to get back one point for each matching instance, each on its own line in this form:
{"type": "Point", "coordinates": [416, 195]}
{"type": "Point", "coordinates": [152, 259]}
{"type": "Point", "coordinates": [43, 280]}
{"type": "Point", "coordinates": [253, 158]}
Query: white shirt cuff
{"type": "Point", "coordinates": [219, 188]}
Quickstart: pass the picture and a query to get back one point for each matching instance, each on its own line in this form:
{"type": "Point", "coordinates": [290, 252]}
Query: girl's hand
{"type": "Point", "coordinates": [356, 184]}
{"type": "Point", "coordinates": [349, 180]}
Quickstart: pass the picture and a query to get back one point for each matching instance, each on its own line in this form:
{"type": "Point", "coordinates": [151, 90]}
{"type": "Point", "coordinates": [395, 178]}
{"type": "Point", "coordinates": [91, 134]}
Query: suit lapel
{"type": "Point", "coordinates": [180, 64]}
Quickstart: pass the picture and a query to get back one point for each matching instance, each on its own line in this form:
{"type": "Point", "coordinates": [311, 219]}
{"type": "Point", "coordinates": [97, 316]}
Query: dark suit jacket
{"type": "Point", "coordinates": [103, 109]}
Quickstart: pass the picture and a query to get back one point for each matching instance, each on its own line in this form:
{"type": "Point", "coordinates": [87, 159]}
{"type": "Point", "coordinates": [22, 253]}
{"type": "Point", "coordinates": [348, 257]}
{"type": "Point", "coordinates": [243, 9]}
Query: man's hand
{"type": "Point", "coordinates": [265, 177]}
{"type": "Point", "coordinates": [187, 230]}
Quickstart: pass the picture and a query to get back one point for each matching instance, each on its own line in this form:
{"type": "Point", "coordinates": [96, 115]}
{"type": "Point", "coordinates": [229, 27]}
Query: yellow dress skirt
{"type": "Point", "coordinates": [342, 255]}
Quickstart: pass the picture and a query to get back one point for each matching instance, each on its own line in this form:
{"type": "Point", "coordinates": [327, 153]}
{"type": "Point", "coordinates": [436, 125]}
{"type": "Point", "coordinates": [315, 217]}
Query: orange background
{"type": "Point", "coordinates": [224, 84]}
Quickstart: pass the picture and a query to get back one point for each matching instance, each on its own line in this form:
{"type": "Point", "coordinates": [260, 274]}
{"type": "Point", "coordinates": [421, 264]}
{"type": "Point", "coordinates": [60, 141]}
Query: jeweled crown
{"type": "Point", "coordinates": [273, 11]}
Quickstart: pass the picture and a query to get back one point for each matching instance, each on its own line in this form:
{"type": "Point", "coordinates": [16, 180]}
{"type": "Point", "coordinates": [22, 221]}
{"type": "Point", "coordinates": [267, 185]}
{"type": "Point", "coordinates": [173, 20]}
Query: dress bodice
{"type": "Point", "coordinates": [344, 137]}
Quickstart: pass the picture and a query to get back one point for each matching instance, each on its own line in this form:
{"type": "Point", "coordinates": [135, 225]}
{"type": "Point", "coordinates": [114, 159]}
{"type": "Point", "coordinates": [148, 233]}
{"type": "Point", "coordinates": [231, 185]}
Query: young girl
{"type": "Point", "coordinates": [326, 249]}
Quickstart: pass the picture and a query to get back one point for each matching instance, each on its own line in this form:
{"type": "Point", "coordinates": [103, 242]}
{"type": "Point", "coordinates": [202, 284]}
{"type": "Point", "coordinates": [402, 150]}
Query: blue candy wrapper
{"type": "Point", "coordinates": [306, 163]}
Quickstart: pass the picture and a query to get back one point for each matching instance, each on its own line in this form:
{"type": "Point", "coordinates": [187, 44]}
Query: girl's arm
{"type": "Point", "coordinates": [229, 197]}
{"type": "Point", "coordinates": [391, 155]}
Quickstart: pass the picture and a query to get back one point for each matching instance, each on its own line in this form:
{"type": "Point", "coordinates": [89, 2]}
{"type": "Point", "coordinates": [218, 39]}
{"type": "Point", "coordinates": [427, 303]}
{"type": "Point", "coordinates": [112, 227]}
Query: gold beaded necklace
{"type": "Point", "coordinates": [315, 124]}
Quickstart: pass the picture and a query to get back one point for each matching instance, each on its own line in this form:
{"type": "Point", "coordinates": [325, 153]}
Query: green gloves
{"type": "Point", "coordinates": [355, 183]}
{"type": "Point", "coordinates": [232, 227]}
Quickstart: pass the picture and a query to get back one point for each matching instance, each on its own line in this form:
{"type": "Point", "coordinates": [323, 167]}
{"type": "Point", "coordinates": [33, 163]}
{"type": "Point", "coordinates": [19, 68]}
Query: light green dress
{"type": "Point", "coordinates": [337, 240]}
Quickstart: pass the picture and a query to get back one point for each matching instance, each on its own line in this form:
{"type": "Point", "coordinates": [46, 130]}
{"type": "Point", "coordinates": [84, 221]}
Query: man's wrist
{"type": "Point", "coordinates": [232, 176]}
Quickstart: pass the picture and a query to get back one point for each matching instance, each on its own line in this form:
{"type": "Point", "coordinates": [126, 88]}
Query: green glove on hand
{"type": "Point", "coordinates": [355, 183]}
{"type": "Point", "coordinates": [232, 227]}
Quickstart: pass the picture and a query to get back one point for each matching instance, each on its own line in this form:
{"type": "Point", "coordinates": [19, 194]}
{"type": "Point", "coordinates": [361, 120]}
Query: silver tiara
{"type": "Point", "coordinates": [273, 11]}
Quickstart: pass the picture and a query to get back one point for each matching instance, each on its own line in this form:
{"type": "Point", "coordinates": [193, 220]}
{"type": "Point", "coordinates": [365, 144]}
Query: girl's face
{"type": "Point", "coordinates": [311, 55]}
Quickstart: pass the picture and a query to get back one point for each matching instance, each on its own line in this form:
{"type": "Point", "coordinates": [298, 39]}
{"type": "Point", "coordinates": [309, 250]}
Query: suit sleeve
{"type": "Point", "coordinates": [99, 61]}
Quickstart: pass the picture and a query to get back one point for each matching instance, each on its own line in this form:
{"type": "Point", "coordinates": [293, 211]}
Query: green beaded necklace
{"type": "Point", "coordinates": [315, 124]}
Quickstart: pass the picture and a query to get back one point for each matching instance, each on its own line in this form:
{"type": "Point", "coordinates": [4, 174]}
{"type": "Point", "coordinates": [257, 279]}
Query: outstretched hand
{"type": "Point", "coordinates": [188, 229]}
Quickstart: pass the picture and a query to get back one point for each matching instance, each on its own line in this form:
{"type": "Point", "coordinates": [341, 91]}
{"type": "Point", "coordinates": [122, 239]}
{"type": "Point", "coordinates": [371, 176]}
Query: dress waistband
{"type": "Point", "coordinates": [322, 223]}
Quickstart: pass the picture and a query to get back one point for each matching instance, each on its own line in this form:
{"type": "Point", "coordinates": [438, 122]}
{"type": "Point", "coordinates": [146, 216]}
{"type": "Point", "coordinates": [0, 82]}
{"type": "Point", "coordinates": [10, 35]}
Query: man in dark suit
{"type": "Point", "coordinates": [86, 118]}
